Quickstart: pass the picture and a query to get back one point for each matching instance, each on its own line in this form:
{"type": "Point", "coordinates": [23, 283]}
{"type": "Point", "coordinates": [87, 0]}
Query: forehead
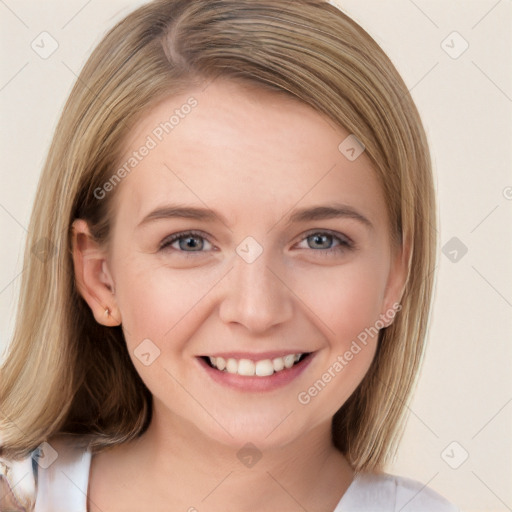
{"type": "Point", "coordinates": [241, 149]}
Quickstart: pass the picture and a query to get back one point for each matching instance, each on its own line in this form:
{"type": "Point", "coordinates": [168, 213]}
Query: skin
{"type": "Point", "coordinates": [255, 157]}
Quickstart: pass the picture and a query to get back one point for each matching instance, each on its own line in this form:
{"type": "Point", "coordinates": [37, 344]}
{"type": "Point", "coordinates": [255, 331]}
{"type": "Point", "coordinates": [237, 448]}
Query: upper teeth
{"type": "Point", "coordinates": [249, 368]}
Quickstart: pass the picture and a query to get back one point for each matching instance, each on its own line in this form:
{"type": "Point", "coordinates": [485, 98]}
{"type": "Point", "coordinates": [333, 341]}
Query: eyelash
{"type": "Point", "coordinates": [344, 242]}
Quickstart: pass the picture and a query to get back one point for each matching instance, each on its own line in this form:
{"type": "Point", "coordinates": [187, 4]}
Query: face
{"type": "Point", "coordinates": [252, 264]}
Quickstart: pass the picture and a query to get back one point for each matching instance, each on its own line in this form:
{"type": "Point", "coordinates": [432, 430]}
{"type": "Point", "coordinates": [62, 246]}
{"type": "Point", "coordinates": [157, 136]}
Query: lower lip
{"type": "Point", "coordinates": [274, 381]}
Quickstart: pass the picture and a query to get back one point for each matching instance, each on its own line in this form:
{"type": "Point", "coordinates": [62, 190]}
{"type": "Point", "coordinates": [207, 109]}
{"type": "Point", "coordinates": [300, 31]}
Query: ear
{"type": "Point", "coordinates": [92, 276]}
{"type": "Point", "coordinates": [397, 280]}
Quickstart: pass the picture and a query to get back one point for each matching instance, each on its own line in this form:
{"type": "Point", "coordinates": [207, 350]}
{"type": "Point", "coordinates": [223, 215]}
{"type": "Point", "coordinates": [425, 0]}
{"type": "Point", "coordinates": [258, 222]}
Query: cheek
{"type": "Point", "coordinates": [346, 299]}
{"type": "Point", "coordinates": [157, 302]}
{"type": "Point", "coordinates": [142, 300]}
{"type": "Point", "coordinates": [347, 303]}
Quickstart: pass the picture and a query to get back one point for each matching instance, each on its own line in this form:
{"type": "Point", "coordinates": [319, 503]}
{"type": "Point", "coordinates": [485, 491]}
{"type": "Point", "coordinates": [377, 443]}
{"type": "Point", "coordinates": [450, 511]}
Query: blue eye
{"type": "Point", "coordinates": [195, 242]}
{"type": "Point", "coordinates": [326, 242]}
{"type": "Point", "coordinates": [189, 241]}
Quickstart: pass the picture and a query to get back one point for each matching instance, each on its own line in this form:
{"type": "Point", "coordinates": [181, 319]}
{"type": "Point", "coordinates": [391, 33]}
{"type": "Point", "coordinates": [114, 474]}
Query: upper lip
{"type": "Point", "coordinates": [256, 356]}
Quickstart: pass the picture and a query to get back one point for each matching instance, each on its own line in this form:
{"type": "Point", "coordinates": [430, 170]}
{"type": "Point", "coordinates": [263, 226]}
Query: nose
{"type": "Point", "coordinates": [256, 296]}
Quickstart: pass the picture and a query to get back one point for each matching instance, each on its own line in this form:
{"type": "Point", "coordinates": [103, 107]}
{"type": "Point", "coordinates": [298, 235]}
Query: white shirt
{"type": "Point", "coordinates": [62, 487]}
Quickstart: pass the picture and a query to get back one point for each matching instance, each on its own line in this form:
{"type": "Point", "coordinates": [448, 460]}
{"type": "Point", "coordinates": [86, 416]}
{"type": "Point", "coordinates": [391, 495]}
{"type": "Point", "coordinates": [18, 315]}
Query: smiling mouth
{"type": "Point", "coordinates": [249, 368]}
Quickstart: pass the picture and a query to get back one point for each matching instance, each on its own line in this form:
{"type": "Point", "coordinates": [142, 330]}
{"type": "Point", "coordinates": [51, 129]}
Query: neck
{"type": "Point", "coordinates": [209, 474]}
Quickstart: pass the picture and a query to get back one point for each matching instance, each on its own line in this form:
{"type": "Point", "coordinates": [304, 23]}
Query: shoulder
{"type": "Point", "coordinates": [392, 492]}
{"type": "Point", "coordinates": [17, 484]}
{"type": "Point", "coordinates": [414, 495]}
{"type": "Point", "coordinates": [63, 475]}
{"type": "Point", "coordinates": [57, 468]}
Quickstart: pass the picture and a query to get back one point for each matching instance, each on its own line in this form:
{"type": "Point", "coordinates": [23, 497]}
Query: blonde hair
{"type": "Point", "coordinates": [64, 372]}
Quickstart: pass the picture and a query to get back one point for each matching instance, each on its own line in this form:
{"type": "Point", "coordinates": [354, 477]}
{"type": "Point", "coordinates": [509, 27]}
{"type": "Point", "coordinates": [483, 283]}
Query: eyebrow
{"type": "Point", "coordinates": [302, 215]}
{"type": "Point", "coordinates": [183, 212]}
{"type": "Point", "coordinates": [335, 211]}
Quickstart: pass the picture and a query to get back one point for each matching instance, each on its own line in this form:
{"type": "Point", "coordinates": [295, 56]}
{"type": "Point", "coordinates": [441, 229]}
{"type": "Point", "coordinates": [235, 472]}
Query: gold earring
{"type": "Point", "coordinates": [107, 312]}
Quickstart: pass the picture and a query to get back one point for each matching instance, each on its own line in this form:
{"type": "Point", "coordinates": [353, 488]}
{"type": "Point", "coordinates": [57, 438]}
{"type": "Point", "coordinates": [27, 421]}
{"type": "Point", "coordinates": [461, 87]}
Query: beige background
{"type": "Point", "coordinates": [463, 404]}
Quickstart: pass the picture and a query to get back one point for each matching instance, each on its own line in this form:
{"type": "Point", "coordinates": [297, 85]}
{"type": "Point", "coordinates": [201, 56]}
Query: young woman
{"type": "Point", "coordinates": [237, 213]}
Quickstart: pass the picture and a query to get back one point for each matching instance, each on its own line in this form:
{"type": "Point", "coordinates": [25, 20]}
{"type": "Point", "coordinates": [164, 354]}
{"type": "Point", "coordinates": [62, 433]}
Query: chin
{"type": "Point", "coordinates": [263, 431]}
